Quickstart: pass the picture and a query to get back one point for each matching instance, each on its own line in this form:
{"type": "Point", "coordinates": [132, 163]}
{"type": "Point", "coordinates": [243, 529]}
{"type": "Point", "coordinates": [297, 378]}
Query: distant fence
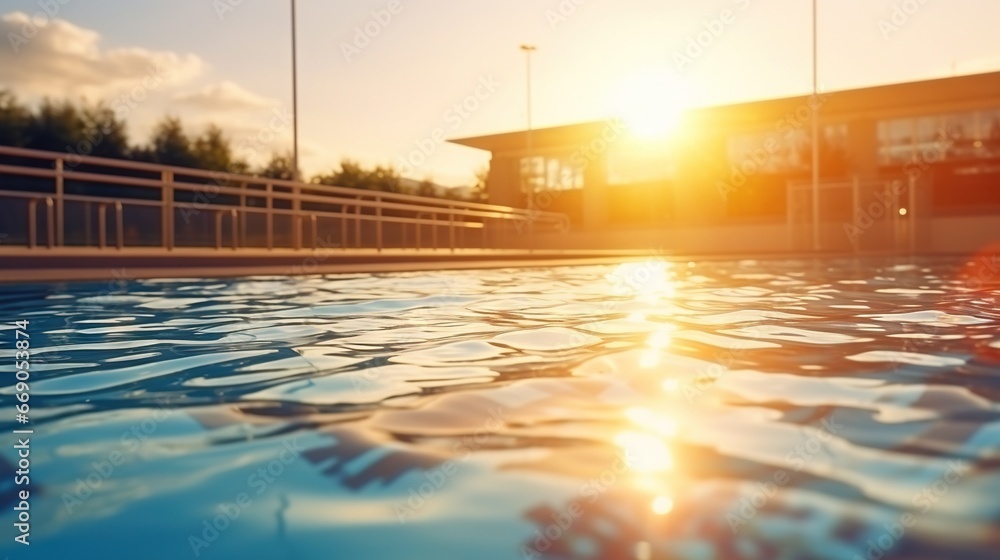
{"type": "Point", "coordinates": [854, 214]}
{"type": "Point", "coordinates": [53, 199]}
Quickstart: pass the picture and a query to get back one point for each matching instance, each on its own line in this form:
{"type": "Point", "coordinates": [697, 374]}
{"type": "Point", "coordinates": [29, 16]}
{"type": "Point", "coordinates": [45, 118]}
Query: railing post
{"type": "Point", "coordinates": [343, 227]}
{"type": "Point", "coordinates": [167, 211]}
{"type": "Point", "coordinates": [314, 230]}
{"type": "Point", "coordinates": [60, 209]}
{"type": "Point", "coordinates": [416, 226]}
{"type": "Point", "coordinates": [270, 217]}
{"type": "Point", "coordinates": [451, 228]}
{"type": "Point", "coordinates": [297, 217]}
{"type": "Point", "coordinates": [86, 224]}
{"type": "Point", "coordinates": [434, 231]}
{"type": "Point", "coordinates": [378, 223]}
{"type": "Point", "coordinates": [234, 217]}
{"type": "Point", "coordinates": [32, 223]}
{"type": "Point", "coordinates": [296, 231]}
{"type": "Point", "coordinates": [357, 225]}
{"type": "Point", "coordinates": [102, 224]}
{"type": "Point", "coordinates": [49, 222]}
{"type": "Point", "coordinates": [243, 214]}
{"type": "Point", "coordinates": [119, 225]}
{"type": "Point", "coordinates": [218, 229]}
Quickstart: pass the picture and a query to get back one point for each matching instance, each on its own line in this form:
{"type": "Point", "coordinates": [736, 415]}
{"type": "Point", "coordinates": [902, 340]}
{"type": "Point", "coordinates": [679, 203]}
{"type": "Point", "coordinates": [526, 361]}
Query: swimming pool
{"type": "Point", "coordinates": [752, 409]}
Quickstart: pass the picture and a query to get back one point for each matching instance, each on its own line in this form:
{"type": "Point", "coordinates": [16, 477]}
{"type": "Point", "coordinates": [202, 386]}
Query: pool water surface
{"type": "Point", "coordinates": [829, 409]}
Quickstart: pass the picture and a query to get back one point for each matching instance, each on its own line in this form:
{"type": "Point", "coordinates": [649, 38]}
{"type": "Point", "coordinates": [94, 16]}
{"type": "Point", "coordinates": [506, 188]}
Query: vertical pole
{"type": "Point", "coordinates": [50, 222]}
{"type": "Point", "coordinates": [102, 224]}
{"type": "Point", "coordinates": [243, 214]}
{"type": "Point", "coordinates": [295, 99]}
{"type": "Point", "coordinates": [234, 217]}
{"type": "Point", "coordinates": [343, 227]}
{"type": "Point", "coordinates": [815, 134]}
{"type": "Point", "coordinates": [416, 227]}
{"type": "Point", "coordinates": [434, 231]}
{"type": "Point", "coordinates": [218, 229]}
{"type": "Point", "coordinates": [119, 225]}
{"type": "Point", "coordinates": [167, 210]}
{"type": "Point", "coordinates": [528, 49]}
{"type": "Point", "coordinates": [315, 230]}
{"type": "Point", "coordinates": [530, 138]}
{"type": "Point", "coordinates": [32, 223]}
{"type": "Point", "coordinates": [86, 224]}
{"type": "Point", "coordinates": [297, 217]}
{"type": "Point", "coordinates": [378, 223]}
{"type": "Point", "coordinates": [270, 217]}
{"type": "Point", "coordinates": [451, 228]}
{"type": "Point", "coordinates": [357, 226]}
{"type": "Point", "coordinates": [60, 210]}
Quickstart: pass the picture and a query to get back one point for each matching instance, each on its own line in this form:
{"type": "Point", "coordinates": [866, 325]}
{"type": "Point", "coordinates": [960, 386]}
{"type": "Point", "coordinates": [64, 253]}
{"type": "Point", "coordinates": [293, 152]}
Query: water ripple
{"type": "Point", "coordinates": [750, 409]}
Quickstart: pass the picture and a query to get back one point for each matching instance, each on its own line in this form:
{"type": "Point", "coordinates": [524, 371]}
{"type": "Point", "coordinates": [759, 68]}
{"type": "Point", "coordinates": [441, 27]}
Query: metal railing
{"type": "Point", "coordinates": [357, 218]}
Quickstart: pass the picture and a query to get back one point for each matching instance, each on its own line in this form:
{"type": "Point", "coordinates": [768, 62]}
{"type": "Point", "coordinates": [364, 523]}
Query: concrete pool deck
{"type": "Point", "coordinates": [73, 264]}
{"type": "Point", "coordinates": [82, 264]}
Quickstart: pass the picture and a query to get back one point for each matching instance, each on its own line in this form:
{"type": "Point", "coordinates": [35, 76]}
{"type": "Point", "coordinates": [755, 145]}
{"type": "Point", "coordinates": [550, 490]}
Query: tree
{"type": "Point", "coordinates": [281, 166]}
{"type": "Point", "coordinates": [14, 121]}
{"type": "Point", "coordinates": [56, 127]}
{"type": "Point", "coordinates": [104, 133]}
{"type": "Point", "coordinates": [353, 176]}
{"type": "Point", "coordinates": [171, 146]}
{"type": "Point", "coordinates": [386, 179]}
{"type": "Point", "coordinates": [350, 175]}
{"type": "Point", "coordinates": [427, 188]}
{"type": "Point", "coordinates": [214, 152]}
{"type": "Point", "coordinates": [479, 190]}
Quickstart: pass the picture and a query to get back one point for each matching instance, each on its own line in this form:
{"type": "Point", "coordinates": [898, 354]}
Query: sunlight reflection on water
{"type": "Point", "coordinates": [683, 410]}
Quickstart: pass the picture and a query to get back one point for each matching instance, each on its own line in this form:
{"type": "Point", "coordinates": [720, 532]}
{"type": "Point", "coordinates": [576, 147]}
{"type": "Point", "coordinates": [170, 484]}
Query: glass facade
{"type": "Point", "coordinates": [550, 174]}
{"type": "Point", "coordinates": [957, 136]}
{"type": "Point", "coordinates": [786, 151]}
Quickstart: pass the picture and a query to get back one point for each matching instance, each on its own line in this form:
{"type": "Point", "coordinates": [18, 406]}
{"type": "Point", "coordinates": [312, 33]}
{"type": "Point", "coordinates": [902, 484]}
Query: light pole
{"type": "Point", "coordinates": [528, 49]}
{"type": "Point", "coordinates": [295, 101]}
{"type": "Point", "coordinates": [815, 135]}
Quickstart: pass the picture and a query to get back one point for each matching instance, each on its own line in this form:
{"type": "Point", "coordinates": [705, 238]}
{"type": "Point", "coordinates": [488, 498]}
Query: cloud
{"type": "Point", "coordinates": [61, 57]}
{"type": "Point", "coordinates": [225, 96]}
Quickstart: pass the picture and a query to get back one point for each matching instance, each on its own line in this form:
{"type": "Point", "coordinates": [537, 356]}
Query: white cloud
{"type": "Point", "coordinates": [61, 57]}
{"type": "Point", "coordinates": [224, 96]}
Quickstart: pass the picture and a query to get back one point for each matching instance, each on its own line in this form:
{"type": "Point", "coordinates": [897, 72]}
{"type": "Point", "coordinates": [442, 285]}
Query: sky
{"type": "Point", "coordinates": [386, 81]}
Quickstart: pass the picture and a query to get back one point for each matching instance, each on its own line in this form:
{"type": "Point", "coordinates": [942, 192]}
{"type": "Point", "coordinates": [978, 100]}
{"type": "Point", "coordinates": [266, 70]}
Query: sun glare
{"type": "Point", "coordinates": [650, 104]}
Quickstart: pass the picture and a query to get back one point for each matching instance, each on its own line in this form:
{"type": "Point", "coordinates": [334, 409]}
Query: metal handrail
{"type": "Point", "coordinates": [354, 204]}
{"type": "Point", "coordinates": [214, 176]}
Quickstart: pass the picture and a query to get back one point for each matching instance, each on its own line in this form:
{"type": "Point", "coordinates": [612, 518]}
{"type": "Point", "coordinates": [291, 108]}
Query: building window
{"type": "Point", "coordinates": [787, 151]}
{"type": "Point", "coordinates": [968, 135]}
{"type": "Point", "coordinates": [541, 173]}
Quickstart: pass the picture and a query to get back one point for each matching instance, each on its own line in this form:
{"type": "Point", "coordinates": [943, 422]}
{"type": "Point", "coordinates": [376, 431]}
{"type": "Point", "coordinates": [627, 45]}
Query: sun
{"type": "Point", "coordinates": [651, 104]}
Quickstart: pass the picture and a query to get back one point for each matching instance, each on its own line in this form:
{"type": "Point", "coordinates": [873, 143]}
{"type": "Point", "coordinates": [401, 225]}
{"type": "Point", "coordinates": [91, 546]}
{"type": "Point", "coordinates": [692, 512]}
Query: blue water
{"type": "Point", "coordinates": [772, 409]}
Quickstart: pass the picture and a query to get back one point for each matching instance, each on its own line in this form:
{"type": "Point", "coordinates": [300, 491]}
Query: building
{"type": "Point", "coordinates": [904, 166]}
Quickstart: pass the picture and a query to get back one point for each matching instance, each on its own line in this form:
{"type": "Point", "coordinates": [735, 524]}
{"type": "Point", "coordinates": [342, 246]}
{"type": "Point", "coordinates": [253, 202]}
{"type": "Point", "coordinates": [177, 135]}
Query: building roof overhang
{"type": "Point", "coordinates": [938, 93]}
